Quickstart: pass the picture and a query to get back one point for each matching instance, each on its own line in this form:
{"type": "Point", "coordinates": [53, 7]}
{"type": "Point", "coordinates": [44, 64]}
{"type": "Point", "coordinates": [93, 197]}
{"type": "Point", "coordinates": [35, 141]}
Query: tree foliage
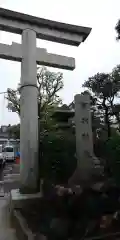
{"type": "Point", "coordinates": [113, 156]}
{"type": "Point", "coordinates": [13, 97]}
{"type": "Point", "coordinates": [49, 83]}
{"type": "Point", "coordinates": [117, 28]}
{"type": "Point", "coordinates": [116, 113]}
{"type": "Point", "coordinates": [105, 88]}
{"type": "Point", "coordinates": [14, 131]}
{"type": "Point", "coordinates": [57, 156]}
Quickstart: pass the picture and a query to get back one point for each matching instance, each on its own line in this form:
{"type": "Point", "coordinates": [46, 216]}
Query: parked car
{"type": "Point", "coordinates": [8, 153]}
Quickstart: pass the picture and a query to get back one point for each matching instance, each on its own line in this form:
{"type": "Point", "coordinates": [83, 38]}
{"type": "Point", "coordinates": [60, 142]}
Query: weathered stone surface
{"type": "Point", "coordinates": [45, 29]}
{"type": "Point", "coordinates": [40, 237]}
{"type": "Point", "coordinates": [29, 114]}
{"type": "Point", "coordinates": [18, 200]}
{"type": "Point", "coordinates": [84, 142]}
{"type": "Point", "coordinates": [14, 52]}
{"type": "Point", "coordinates": [59, 227]}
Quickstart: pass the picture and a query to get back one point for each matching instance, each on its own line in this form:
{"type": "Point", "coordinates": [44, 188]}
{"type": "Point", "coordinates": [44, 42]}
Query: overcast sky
{"type": "Point", "coordinates": [99, 53]}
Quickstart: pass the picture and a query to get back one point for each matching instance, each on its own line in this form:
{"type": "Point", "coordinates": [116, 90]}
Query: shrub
{"type": "Point", "coordinates": [113, 156]}
{"type": "Point", "coordinates": [57, 156]}
{"type": "Point", "coordinates": [100, 148]}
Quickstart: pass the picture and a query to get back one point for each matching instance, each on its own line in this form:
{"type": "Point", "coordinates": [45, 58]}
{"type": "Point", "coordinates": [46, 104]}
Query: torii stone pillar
{"type": "Point", "coordinates": [31, 27]}
{"type": "Point", "coordinates": [29, 113]}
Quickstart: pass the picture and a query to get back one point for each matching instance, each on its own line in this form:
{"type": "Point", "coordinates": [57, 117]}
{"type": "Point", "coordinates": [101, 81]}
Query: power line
{"type": "Point", "coordinates": [3, 92]}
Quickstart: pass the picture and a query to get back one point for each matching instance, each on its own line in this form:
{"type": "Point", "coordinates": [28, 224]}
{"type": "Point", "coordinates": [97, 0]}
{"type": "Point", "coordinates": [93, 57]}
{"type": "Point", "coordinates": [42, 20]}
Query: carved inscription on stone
{"type": "Point", "coordinates": [84, 120]}
{"type": "Point", "coordinates": [85, 136]}
{"type": "Point", "coordinates": [83, 104]}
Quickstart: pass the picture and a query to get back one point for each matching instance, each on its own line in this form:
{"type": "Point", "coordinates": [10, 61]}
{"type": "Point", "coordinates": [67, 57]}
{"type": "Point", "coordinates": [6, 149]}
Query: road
{"type": "Point", "coordinates": [6, 170]}
{"type": "Point", "coordinates": [6, 232]}
{"type": "Point", "coordinates": [6, 181]}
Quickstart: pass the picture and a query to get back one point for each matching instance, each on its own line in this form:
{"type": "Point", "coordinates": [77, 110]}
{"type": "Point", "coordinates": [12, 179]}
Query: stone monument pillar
{"type": "Point", "coordinates": [29, 114]}
{"type": "Point", "coordinates": [84, 142]}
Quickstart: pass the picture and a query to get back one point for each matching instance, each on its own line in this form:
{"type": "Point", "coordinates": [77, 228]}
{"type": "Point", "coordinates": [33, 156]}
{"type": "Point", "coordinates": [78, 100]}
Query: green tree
{"type": "Point", "coordinates": [57, 156]}
{"type": "Point", "coordinates": [14, 131]}
{"type": "Point", "coordinates": [116, 85]}
{"type": "Point", "coordinates": [113, 157]}
{"type": "Point", "coordinates": [13, 97]}
{"type": "Point", "coordinates": [49, 83]}
{"type": "Point", "coordinates": [117, 28]}
{"type": "Point", "coordinates": [105, 87]}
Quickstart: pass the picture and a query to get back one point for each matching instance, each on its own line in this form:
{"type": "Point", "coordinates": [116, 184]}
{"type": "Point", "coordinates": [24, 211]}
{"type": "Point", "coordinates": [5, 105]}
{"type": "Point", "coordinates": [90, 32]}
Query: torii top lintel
{"type": "Point", "coordinates": [16, 22]}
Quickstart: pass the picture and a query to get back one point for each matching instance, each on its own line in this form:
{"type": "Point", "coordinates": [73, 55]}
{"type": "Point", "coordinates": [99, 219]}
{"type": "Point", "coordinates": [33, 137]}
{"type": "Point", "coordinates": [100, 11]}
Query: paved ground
{"type": "Point", "coordinates": [8, 181]}
{"type": "Point", "coordinates": [5, 170]}
{"type": "Point", "coordinates": [6, 232]}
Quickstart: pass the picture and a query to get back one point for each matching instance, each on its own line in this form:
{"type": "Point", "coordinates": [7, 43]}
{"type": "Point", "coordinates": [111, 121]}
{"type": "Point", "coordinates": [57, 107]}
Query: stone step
{"type": "Point", "coordinates": [9, 184]}
{"type": "Point", "coordinates": [5, 172]}
{"type": "Point", "coordinates": [8, 167]}
{"type": "Point", "coordinates": [7, 234]}
{"type": "Point", "coordinates": [12, 176]}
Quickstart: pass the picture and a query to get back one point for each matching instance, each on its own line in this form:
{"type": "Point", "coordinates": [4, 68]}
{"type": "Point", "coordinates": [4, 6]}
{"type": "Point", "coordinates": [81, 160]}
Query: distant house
{"type": "Point", "coordinates": [4, 132]}
{"type": "Point", "coordinates": [4, 137]}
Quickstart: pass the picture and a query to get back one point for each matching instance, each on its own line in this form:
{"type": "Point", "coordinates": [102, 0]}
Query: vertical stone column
{"type": "Point", "coordinates": [84, 142]}
{"type": "Point", "coordinates": [29, 114]}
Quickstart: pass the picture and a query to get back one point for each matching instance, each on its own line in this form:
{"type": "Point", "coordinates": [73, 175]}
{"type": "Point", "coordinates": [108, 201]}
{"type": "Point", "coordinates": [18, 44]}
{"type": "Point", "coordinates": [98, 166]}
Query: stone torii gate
{"type": "Point", "coordinates": [31, 28]}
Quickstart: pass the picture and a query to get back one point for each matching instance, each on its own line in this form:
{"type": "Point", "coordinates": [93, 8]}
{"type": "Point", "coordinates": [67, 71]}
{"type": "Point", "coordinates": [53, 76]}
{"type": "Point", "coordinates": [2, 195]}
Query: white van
{"type": "Point", "coordinates": [8, 153]}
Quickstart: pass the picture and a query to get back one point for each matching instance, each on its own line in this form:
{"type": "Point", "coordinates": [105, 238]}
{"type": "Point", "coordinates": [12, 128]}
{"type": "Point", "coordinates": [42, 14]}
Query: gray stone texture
{"type": "Point", "coordinates": [84, 142]}
{"type": "Point", "coordinates": [29, 114]}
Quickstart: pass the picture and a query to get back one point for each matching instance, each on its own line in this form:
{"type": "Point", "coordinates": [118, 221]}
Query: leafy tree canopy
{"type": "Point", "coordinates": [49, 84]}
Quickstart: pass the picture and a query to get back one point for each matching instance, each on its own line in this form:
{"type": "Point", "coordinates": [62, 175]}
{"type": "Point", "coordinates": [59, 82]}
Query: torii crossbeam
{"type": "Point", "coordinates": [14, 52]}
{"type": "Point", "coordinates": [31, 28]}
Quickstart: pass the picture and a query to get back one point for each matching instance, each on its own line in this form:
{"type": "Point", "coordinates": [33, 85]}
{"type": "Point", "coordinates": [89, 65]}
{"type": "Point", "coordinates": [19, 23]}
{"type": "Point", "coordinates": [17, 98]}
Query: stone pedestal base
{"type": "Point", "coordinates": [18, 200]}
{"type": "Point", "coordinates": [13, 176]}
{"type": "Point", "coordinates": [82, 177]}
